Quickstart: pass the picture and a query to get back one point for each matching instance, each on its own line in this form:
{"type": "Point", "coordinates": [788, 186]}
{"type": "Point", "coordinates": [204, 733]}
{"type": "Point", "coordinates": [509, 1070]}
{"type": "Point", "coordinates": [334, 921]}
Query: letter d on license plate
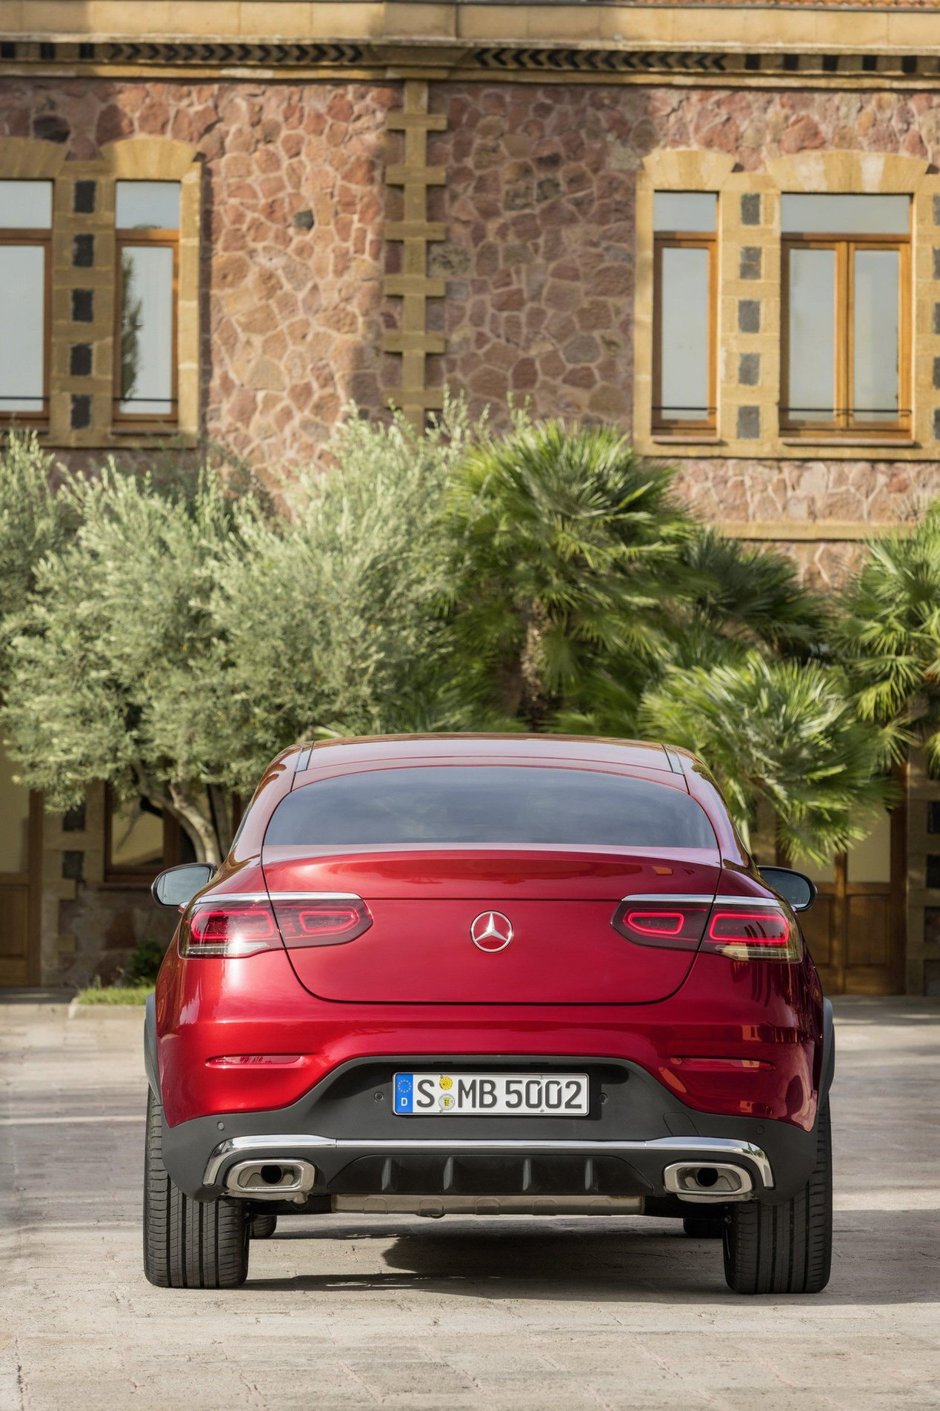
{"type": "Point", "coordinates": [491, 1094]}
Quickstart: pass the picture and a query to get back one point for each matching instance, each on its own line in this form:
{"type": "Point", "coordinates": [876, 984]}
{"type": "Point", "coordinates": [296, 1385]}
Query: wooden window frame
{"type": "Point", "coordinates": [32, 236]}
{"type": "Point", "coordinates": [685, 240]}
{"type": "Point", "coordinates": [844, 422]}
{"type": "Point", "coordinates": [153, 238]}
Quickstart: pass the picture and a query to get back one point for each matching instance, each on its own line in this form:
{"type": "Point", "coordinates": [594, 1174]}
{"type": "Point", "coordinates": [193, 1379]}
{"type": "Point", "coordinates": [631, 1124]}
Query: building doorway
{"type": "Point", "coordinates": [856, 929]}
{"type": "Point", "coordinates": [20, 872]}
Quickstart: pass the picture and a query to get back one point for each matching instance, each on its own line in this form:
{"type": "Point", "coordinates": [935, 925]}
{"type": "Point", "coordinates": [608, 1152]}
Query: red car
{"type": "Point", "coordinates": [488, 974]}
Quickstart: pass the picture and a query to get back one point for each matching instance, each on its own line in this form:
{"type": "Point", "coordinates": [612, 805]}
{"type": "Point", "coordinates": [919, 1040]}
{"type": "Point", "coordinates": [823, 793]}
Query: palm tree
{"type": "Point", "coordinates": [567, 547]}
{"type": "Point", "coordinates": [889, 637]}
{"type": "Point", "coordinates": [728, 598]}
{"type": "Point", "coordinates": [784, 732]}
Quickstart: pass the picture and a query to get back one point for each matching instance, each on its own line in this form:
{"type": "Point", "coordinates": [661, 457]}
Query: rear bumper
{"type": "Point", "coordinates": [554, 1170]}
{"type": "Point", "coordinates": [349, 1143]}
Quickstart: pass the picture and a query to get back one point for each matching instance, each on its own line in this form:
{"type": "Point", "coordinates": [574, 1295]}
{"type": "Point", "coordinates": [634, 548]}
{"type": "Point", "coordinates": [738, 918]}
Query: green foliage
{"type": "Point", "coordinates": [34, 518]}
{"type": "Point", "coordinates": [170, 634]}
{"type": "Point", "coordinates": [889, 637]}
{"type": "Point", "coordinates": [115, 994]}
{"type": "Point", "coordinates": [747, 595]}
{"type": "Point", "coordinates": [780, 731]}
{"type": "Point", "coordinates": [565, 545]}
{"type": "Point", "coordinates": [726, 599]}
{"type": "Point", "coordinates": [115, 660]}
{"type": "Point", "coordinates": [331, 615]}
{"type": "Point", "coordinates": [145, 961]}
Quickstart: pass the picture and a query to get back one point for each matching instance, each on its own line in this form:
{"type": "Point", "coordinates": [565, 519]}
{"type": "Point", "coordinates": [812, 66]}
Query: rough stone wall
{"type": "Point", "coordinates": [770, 491]}
{"type": "Point", "coordinates": [293, 249]}
{"type": "Point", "coordinates": [539, 210]}
{"type": "Point", "coordinates": [539, 260]}
{"type": "Point", "coordinates": [539, 207]}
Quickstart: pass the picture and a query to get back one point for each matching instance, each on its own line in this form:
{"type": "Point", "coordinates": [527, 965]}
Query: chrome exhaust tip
{"type": "Point", "coordinates": [707, 1183]}
{"type": "Point", "coordinates": [271, 1180]}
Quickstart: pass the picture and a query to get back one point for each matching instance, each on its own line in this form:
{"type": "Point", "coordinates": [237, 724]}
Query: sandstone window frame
{"type": "Point", "coordinates": [82, 347]}
{"type": "Point", "coordinates": [674, 171]}
{"type": "Point", "coordinates": [846, 419]}
{"type": "Point", "coordinates": [686, 239]}
{"type": "Point", "coordinates": [750, 304]}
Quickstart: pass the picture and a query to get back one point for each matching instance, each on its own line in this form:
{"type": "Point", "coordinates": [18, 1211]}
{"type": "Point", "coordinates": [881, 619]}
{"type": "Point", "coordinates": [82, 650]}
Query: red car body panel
{"type": "Point", "coordinates": [741, 1038]}
{"type": "Point", "coordinates": [564, 949]}
{"type": "Point", "coordinates": [235, 1008]}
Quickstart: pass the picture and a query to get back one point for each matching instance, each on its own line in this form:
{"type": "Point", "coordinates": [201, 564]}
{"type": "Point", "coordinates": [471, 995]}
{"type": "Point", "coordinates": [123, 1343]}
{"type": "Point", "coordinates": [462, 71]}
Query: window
{"type": "Point", "coordinates": [434, 806]}
{"type": "Point", "coordinates": [25, 232]}
{"type": "Point", "coordinates": [846, 314]}
{"type": "Point", "coordinates": [147, 274]}
{"type": "Point", "coordinates": [140, 840]}
{"type": "Point", "coordinates": [684, 258]}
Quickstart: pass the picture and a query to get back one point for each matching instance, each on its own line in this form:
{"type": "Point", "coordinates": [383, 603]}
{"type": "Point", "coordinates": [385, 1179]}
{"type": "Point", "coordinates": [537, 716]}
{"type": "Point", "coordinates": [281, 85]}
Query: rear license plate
{"type": "Point", "coordinates": [491, 1094]}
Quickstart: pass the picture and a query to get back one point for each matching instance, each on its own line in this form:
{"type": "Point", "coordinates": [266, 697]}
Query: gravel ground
{"type": "Point", "coordinates": [367, 1311]}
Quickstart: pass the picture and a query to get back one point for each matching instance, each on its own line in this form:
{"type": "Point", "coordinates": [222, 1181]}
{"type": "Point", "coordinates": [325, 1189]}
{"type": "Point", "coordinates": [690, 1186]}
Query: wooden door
{"type": "Point", "coordinates": [20, 840]}
{"type": "Point", "coordinates": [856, 929]}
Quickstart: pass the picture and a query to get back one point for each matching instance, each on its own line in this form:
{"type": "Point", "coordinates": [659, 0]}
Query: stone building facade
{"type": "Point", "coordinates": [378, 200]}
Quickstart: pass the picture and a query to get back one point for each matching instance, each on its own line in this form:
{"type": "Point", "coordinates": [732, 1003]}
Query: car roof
{"type": "Point", "coordinates": [464, 747]}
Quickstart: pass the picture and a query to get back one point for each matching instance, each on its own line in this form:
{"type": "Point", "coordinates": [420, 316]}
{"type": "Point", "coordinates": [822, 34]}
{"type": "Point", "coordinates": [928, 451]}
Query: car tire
{"type": "Point", "coordinates": [704, 1227]}
{"type": "Point", "coordinates": [188, 1244]}
{"type": "Point", "coordinates": [263, 1226]}
{"type": "Point", "coordinates": [785, 1248]}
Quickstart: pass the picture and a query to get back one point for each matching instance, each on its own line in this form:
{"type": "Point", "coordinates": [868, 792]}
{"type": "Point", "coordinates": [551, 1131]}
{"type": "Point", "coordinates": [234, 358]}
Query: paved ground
{"type": "Point", "coordinates": [454, 1314]}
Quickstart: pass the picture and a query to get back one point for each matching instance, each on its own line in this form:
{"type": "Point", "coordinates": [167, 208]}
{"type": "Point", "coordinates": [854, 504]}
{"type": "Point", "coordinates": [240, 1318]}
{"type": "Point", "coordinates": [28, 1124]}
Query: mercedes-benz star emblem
{"type": "Point", "coordinates": [491, 930]}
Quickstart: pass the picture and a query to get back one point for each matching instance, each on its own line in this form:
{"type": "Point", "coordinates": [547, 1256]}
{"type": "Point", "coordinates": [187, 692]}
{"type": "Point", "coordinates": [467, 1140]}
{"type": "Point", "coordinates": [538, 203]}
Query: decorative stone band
{"type": "Point", "coordinates": [808, 531]}
{"type": "Point", "coordinates": [791, 66]}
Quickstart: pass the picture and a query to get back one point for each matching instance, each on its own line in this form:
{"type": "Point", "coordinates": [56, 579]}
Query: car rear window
{"type": "Point", "coordinates": [498, 804]}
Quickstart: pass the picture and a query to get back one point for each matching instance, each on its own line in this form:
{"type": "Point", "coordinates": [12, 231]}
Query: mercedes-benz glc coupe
{"type": "Point", "coordinates": [489, 975]}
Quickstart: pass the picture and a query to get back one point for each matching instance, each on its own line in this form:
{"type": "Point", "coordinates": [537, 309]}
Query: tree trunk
{"type": "Point", "coordinates": [195, 817]}
{"type": "Point", "coordinates": [193, 813]}
{"type": "Point", "coordinates": [534, 703]}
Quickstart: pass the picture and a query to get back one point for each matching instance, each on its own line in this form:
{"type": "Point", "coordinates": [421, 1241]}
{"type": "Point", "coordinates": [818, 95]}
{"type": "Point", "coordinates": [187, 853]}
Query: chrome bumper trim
{"type": "Point", "coordinates": [714, 1148]}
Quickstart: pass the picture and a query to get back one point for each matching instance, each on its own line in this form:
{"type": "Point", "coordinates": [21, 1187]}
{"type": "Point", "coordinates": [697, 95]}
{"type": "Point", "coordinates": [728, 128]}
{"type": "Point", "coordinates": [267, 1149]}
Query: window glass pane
{"type": "Point", "coordinates": [812, 320]}
{"type": "Point", "coordinates": [146, 330]}
{"type": "Point", "coordinates": [25, 205]}
{"type": "Point", "coordinates": [486, 804]}
{"type": "Point", "coordinates": [845, 215]}
{"type": "Point", "coordinates": [684, 210]}
{"type": "Point", "coordinates": [684, 333]}
{"type": "Point", "coordinates": [875, 286]}
{"type": "Point", "coordinates": [22, 327]}
{"type": "Point", "coordinates": [136, 838]}
{"type": "Point", "coordinates": [143, 205]}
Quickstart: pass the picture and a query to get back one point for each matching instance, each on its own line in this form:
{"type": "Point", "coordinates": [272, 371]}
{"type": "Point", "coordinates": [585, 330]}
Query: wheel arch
{"type": "Point", "coordinates": [150, 1045]}
{"type": "Point", "coordinates": [829, 1048]}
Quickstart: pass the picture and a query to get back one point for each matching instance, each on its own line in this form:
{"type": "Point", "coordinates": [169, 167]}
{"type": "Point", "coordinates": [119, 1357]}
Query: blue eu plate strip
{"type": "Point", "coordinates": [404, 1092]}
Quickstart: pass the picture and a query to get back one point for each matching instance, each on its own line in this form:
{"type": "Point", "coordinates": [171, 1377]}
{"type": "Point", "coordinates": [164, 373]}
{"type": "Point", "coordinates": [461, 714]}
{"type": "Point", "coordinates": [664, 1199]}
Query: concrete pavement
{"type": "Point", "coordinates": [371, 1312]}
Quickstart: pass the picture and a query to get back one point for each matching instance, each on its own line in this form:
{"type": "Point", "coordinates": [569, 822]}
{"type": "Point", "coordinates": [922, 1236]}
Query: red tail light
{"type": "Point", "coordinates": [752, 933]}
{"type": "Point", "coordinates": [672, 923]}
{"type": "Point", "coordinates": [241, 926]}
{"type": "Point", "coordinates": [741, 929]}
